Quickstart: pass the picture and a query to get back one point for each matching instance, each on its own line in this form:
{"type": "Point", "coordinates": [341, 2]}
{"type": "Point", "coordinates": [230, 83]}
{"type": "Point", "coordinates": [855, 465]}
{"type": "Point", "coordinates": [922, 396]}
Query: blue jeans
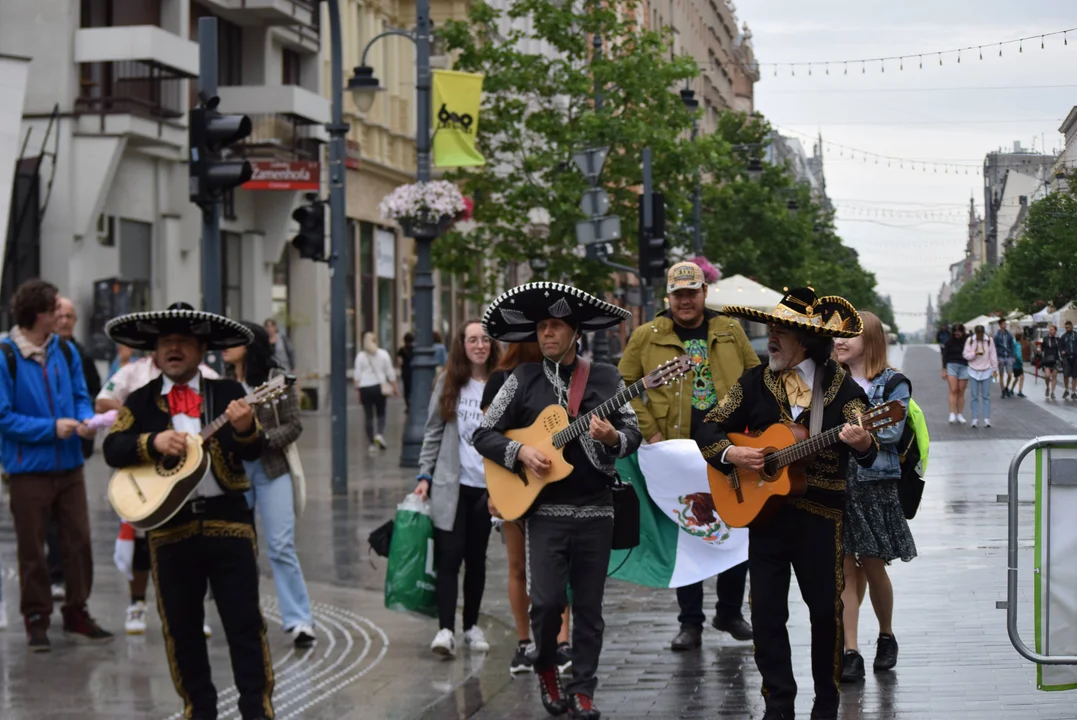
{"type": "Point", "coordinates": [980, 390]}
{"type": "Point", "coordinates": [273, 499]}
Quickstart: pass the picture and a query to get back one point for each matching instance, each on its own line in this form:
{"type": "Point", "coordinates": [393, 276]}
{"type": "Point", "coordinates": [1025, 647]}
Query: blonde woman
{"type": "Point", "coordinates": [375, 379]}
{"type": "Point", "coordinates": [874, 527]}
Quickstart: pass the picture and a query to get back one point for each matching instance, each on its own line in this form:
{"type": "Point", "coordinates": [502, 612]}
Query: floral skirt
{"type": "Point", "coordinates": [874, 523]}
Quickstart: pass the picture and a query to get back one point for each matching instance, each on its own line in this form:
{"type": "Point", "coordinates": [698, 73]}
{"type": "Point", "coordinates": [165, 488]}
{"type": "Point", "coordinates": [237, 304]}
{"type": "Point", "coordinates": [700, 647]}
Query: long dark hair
{"type": "Point", "coordinates": [954, 340]}
{"type": "Point", "coordinates": [258, 360]}
{"type": "Point", "coordinates": [458, 369]}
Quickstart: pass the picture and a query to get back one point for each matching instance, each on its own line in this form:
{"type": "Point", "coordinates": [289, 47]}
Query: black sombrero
{"type": "Point", "coordinates": [141, 330]}
{"type": "Point", "coordinates": [831, 315]}
{"type": "Point", "coordinates": [515, 315]}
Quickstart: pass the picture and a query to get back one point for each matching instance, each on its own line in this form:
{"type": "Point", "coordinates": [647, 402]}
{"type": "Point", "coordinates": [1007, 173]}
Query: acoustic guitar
{"type": "Point", "coordinates": [743, 495]}
{"type": "Point", "coordinates": [148, 495]}
{"type": "Point", "coordinates": [513, 493]}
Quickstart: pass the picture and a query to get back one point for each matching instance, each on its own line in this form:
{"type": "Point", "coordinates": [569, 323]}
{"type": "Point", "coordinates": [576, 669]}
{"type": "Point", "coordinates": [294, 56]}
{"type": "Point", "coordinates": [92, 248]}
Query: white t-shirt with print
{"type": "Point", "coordinates": [468, 418]}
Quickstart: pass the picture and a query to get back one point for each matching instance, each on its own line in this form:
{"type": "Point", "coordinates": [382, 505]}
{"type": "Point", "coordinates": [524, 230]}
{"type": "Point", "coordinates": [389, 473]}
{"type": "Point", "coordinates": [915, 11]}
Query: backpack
{"type": "Point", "coordinates": [912, 451]}
{"type": "Point", "coordinates": [9, 353]}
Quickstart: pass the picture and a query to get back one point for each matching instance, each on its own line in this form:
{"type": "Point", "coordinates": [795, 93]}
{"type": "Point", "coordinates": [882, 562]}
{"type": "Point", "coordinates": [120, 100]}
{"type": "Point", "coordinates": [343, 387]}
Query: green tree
{"type": "Point", "coordinates": [985, 293]}
{"type": "Point", "coordinates": [537, 111]}
{"type": "Point", "coordinates": [1041, 268]}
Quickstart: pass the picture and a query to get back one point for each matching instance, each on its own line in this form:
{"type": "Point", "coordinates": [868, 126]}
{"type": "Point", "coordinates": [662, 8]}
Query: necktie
{"type": "Point", "coordinates": [798, 391]}
{"type": "Point", "coordinates": [182, 400]}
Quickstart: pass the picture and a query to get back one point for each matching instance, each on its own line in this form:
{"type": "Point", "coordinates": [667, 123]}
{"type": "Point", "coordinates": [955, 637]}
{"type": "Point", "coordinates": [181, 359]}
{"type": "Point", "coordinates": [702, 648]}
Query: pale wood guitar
{"type": "Point", "coordinates": [744, 495]}
{"type": "Point", "coordinates": [513, 493]}
{"type": "Point", "coordinates": [148, 495]}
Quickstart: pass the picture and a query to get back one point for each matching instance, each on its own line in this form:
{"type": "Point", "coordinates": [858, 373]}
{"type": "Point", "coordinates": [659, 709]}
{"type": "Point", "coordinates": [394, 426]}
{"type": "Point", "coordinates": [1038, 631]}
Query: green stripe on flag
{"type": "Point", "coordinates": [651, 562]}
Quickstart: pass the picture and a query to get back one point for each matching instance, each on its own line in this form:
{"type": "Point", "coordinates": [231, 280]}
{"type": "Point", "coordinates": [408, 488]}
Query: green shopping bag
{"type": "Point", "coordinates": [409, 580]}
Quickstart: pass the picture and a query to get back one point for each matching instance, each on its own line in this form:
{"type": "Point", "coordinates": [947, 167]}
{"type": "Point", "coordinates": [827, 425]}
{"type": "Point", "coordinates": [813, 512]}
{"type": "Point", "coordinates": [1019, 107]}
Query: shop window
{"type": "Point", "coordinates": [231, 274]}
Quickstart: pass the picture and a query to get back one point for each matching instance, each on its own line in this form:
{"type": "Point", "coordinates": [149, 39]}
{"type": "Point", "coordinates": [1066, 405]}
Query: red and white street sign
{"type": "Point", "coordinates": [274, 175]}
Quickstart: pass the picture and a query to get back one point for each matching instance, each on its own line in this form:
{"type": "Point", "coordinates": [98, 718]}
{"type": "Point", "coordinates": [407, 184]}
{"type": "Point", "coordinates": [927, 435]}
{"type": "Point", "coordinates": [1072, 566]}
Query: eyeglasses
{"type": "Point", "coordinates": [479, 340]}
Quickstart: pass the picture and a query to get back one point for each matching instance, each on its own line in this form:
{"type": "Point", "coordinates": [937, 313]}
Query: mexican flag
{"type": "Point", "coordinates": [682, 539]}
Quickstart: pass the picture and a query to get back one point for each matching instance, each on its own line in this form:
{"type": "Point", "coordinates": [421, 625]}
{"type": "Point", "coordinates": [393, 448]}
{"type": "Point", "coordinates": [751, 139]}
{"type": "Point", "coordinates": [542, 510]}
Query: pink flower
{"type": "Point", "coordinates": [711, 273]}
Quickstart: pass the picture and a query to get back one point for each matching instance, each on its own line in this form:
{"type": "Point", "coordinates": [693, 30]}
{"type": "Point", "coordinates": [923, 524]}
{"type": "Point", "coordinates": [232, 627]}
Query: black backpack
{"type": "Point", "coordinates": [911, 483]}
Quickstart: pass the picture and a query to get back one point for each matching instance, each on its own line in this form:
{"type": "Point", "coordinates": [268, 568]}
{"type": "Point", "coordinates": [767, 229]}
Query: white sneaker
{"type": "Point", "coordinates": [379, 440]}
{"type": "Point", "coordinates": [975, 423]}
{"type": "Point", "coordinates": [59, 592]}
{"type": "Point", "coordinates": [476, 640]}
{"type": "Point", "coordinates": [444, 643]}
{"type": "Point", "coordinates": [136, 619]}
{"type": "Point", "coordinates": [3, 614]}
{"type": "Point", "coordinates": [303, 636]}
{"type": "Point", "coordinates": [960, 419]}
{"type": "Point", "coordinates": [987, 422]}
{"type": "Point", "coordinates": [953, 418]}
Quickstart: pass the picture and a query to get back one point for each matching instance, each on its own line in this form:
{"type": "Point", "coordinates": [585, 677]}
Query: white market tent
{"type": "Point", "coordinates": [984, 320]}
{"type": "Point", "coordinates": [739, 290]}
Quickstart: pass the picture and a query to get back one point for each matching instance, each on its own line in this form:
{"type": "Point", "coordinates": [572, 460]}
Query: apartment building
{"type": "Point", "coordinates": [110, 84]}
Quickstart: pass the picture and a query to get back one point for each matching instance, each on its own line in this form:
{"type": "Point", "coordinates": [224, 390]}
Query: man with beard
{"type": "Point", "coordinates": [805, 533]}
{"type": "Point", "coordinates": [211, 539]}
{"type": "Point", "coordinates": [569, 530]}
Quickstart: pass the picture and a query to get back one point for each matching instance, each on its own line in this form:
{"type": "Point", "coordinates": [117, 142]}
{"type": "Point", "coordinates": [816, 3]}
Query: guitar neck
{"type": "Point", "coordinates": [805, 448]}
{"type": "Point", "coordinates": [221, 420]}
{"type": "Point", "coordinates": [583, 423]}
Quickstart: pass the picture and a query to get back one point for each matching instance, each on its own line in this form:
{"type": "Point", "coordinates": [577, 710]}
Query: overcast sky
{"type": "Point", "coordinates": [954, 113]}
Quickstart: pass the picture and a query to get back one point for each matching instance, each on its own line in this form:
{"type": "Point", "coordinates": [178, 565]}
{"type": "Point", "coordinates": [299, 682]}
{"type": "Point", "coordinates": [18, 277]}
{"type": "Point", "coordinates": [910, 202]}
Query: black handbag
{"type": "Point", "coordinates": [381, 538]}
{"type": "Point", "coordinates": [625, 515]}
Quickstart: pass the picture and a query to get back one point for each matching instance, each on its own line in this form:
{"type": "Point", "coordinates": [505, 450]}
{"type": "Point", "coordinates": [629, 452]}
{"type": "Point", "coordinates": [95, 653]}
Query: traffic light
{"type": "Point", "coordinates": [310, 242]}
{"type": "Point", "coordinates": [210, 132]}
{"type": "Point", "coordinates": [652, 240]}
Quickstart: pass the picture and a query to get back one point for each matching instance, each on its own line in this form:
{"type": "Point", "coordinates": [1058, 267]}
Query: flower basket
{"type": "Point", "coordinates": [423, 209]}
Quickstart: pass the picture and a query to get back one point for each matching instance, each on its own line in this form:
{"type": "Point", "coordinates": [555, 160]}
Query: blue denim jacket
{"type": "Point", "coordinates": [887, 464]}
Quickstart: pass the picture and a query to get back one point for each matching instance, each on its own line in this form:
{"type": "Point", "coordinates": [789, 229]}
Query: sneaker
{"type": "Point", "coordinates": [135, 624]}
{"type": "Point", "coordinates": [852, 667]}
{"type": "Point", "coordinates": [1066, 395]}
{"type": "Point", "coordinates": [975, 423]}
{"type": "Point", "coordinates": [475, 640]}
{"type": "Point", "coordinates": [1021, 394]}
{"type": "Point", "coordinates": [564, 658]}
{"type": "Point", "coordinates": [372, 450]}
{"type": "Point", "coordinates": [303, 636]}
{"type": "Point", "coordinates": [886, 653]}
{"type": "Point", "coordinates": [379, 440]}
{"type": "Point", "coordinates": [81, 628]}
{"type": "Point", "coordinates": [987, 422]}
{"type": "Point", "coordinates": [960, 419]}
{"type": "Point", "coordinates": [1047, 392]}
{"type": "Point", "coordinates": [3, 613]}
{"type": "Point", "coordinates": [37, 636]}
{"type": "Point", "coordinates": [521, 661]}
{"type": "Point", "coordinates": [207, 630]}
{"type": "Point", "coordinates": [953, 418]}
{"type": "Point", "coordinates": [59, 592]}
{"type": "Point", "coordinates": [553, 695]}
{"type": "Point", "coordinates": [444, 643]}
{"type": "Point", "coordinates": [583, 708]}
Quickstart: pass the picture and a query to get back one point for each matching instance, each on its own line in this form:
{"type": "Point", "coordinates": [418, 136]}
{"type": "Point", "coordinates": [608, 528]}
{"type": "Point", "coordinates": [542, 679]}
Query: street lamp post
{"type": "Point", "coordinates": [688, 97]}
{"type": "Point", "coordinates": [364, 85]}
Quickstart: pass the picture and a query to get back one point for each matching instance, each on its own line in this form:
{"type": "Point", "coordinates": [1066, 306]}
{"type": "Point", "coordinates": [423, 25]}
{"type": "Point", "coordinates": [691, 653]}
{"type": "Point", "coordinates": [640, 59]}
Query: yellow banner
{"type": "Point", "coordinates": [457, 97]}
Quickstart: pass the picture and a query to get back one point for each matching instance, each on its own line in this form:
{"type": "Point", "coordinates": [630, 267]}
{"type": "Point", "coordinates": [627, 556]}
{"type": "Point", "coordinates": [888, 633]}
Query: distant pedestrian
{"type": "Point", "coordinates": [1068, 352]}
{"type": "Point", "coordinates": [875, 530]}
{"type": "Point", "coordinates": [982, 355]}
{"type": "Point", "coordinates": [124, 356]}
{"type": "Point", "coordinates": [282, 348]}
{"type": "Point", "coordinates": [404, 357]}
{"type": "Point", "coordinates": [1018, 379]}
{"type": "Point", "coordinates": [452, 476]}
{"type": "Point", "coordinates": [1050, 360]}
{"type": "Point", "coordinates": [955, 371]}
{"type": "Point", "coordinates": [375, 380]}
{"type": "Point", "coordinates": [943, 335]}
{"type": "Point", "coordinates": [43, 406]}
{"type": "Point", "coordinates": [1004, 350]}
{"type": "Point", "coordinates": [441, 354]}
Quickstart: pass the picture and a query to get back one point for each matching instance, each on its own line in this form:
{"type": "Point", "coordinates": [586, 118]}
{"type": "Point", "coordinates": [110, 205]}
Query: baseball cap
{"type": "Point", "coordinates": [684, 276]}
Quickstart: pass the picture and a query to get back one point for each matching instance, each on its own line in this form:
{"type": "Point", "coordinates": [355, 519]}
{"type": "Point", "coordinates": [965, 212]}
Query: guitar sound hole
{"type": "Point", "coordinates": [170, 465]}
{"type": "Point", "coordinates": [770, 469]}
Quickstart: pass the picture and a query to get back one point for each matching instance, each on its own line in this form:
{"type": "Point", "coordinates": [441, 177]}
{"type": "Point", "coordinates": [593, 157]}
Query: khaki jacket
{"type": "Point", "coordinates": [668, 409]}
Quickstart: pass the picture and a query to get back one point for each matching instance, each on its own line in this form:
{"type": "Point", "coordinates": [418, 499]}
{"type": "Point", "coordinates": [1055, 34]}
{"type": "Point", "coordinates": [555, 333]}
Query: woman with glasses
{"type": "Point", "coordinates": [452, 476]}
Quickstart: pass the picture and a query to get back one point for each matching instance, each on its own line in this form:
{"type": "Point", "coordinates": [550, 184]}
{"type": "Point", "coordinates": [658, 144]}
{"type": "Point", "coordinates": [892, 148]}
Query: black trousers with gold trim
{"type": "Point", "coordinates": [804, 536]}
{"type": "Point", "coordinates": [212, 541]}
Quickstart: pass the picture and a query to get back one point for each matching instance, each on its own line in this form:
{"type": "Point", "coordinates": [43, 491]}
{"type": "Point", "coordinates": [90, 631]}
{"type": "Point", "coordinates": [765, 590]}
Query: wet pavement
{"type": "Point", "coordinates": [370, 663]}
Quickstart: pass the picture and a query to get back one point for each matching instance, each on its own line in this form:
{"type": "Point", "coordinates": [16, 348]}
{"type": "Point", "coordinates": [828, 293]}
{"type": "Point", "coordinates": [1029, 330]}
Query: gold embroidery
{"type": "Point", "coordinates": [253, 435]}
{"type": "Point", "coordinates": [143, 448]}
{"type": "Point", "coordinates": [827, 461]}
{"type": "Point", "coordinates": [723, 410]}
{"type": "Point", "coordinates": [715, 449]}
{"type": "Point", "coordinates": [835, 385]}
{"type": "Point", "coordinates": [853, 409]}
{"type": "Point", "coordinates": [825, 483]}
{"type": "Point", "coordinates": [124, 420]}
{"type": "Point", "coordinates": [162, 405]}
{"type": "Point", "coordinates": [222, 468]}
{"type": "Point", "coordinates": [222, 528]}
{"type": "Point", "coordinates": [157, 538]}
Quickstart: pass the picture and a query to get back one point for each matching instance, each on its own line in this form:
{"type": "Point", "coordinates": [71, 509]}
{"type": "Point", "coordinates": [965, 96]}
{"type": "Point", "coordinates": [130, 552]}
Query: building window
{"type": "Point", "coordinates": [228, 204]}
{"type": "Point", "coordinates": [281, 273]}
{"type": "Point", "coordinates": [365, 264]}
{"type": "Point", "coordinates": [229, 47]}
{"type": "Point", "coordinates": [385, 269]}
{"type": "Point", "coordinates": [290, 67]}
{"type": "Point", "coordinates": [232, 274]}
{"type": "Point", "coordinates": [355, 320]}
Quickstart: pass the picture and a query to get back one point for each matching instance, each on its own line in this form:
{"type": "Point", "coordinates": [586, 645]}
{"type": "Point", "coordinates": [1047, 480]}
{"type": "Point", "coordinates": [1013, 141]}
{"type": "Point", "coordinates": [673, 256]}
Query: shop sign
{"type": "Point", "coordinates": [274, 175]}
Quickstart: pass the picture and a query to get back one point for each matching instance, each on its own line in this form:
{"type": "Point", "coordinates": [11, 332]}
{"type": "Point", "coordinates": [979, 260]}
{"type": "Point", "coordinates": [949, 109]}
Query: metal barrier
{"type": "Point", "coordinates": [1070, 442]}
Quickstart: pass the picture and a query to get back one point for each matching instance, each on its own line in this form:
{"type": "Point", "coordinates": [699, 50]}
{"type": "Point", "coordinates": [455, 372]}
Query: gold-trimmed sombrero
{"type": "Point", "coordinates": [830, 315]}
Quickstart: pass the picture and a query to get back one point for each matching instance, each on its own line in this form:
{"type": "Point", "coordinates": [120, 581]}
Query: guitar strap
{"type": "Point", "coordinates": [815, 424]}
{"type": "Point", "coordinates": [577, 386]}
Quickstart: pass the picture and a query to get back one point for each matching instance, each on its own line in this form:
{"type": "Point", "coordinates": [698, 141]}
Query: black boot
{"type": "Point", "coordinates": [689, 638]}
{"type": "Point", "coordinates": [583, 708]}
{"type": "Point", "coordinates": [737, 627]}
{"type": "Point", "coordinates": [553, 695]}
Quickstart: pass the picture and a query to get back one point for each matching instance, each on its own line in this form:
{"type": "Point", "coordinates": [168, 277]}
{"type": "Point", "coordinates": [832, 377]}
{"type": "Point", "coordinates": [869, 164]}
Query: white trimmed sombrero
{"type": "Point", "coordinates": [141, 330]}
{"type": "Point", "coordinates": [831, 316]}
{"type": "Point", "coordinates": [515, 315]}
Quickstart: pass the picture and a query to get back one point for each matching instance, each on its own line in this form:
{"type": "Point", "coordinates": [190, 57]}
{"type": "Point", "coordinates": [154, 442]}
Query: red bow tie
{"type": "Point", "coordinates": [182, 400]}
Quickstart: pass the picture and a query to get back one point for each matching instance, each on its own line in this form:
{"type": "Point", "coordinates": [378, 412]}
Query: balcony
{"type": "Point", "coordinates": [147, 44]}
{"type": "Point", "coordinates": [276, 136]}
{"type": "Point", "coordinates": [304, 105]}
{"type": "Point", "coordinates": [141, 100]}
